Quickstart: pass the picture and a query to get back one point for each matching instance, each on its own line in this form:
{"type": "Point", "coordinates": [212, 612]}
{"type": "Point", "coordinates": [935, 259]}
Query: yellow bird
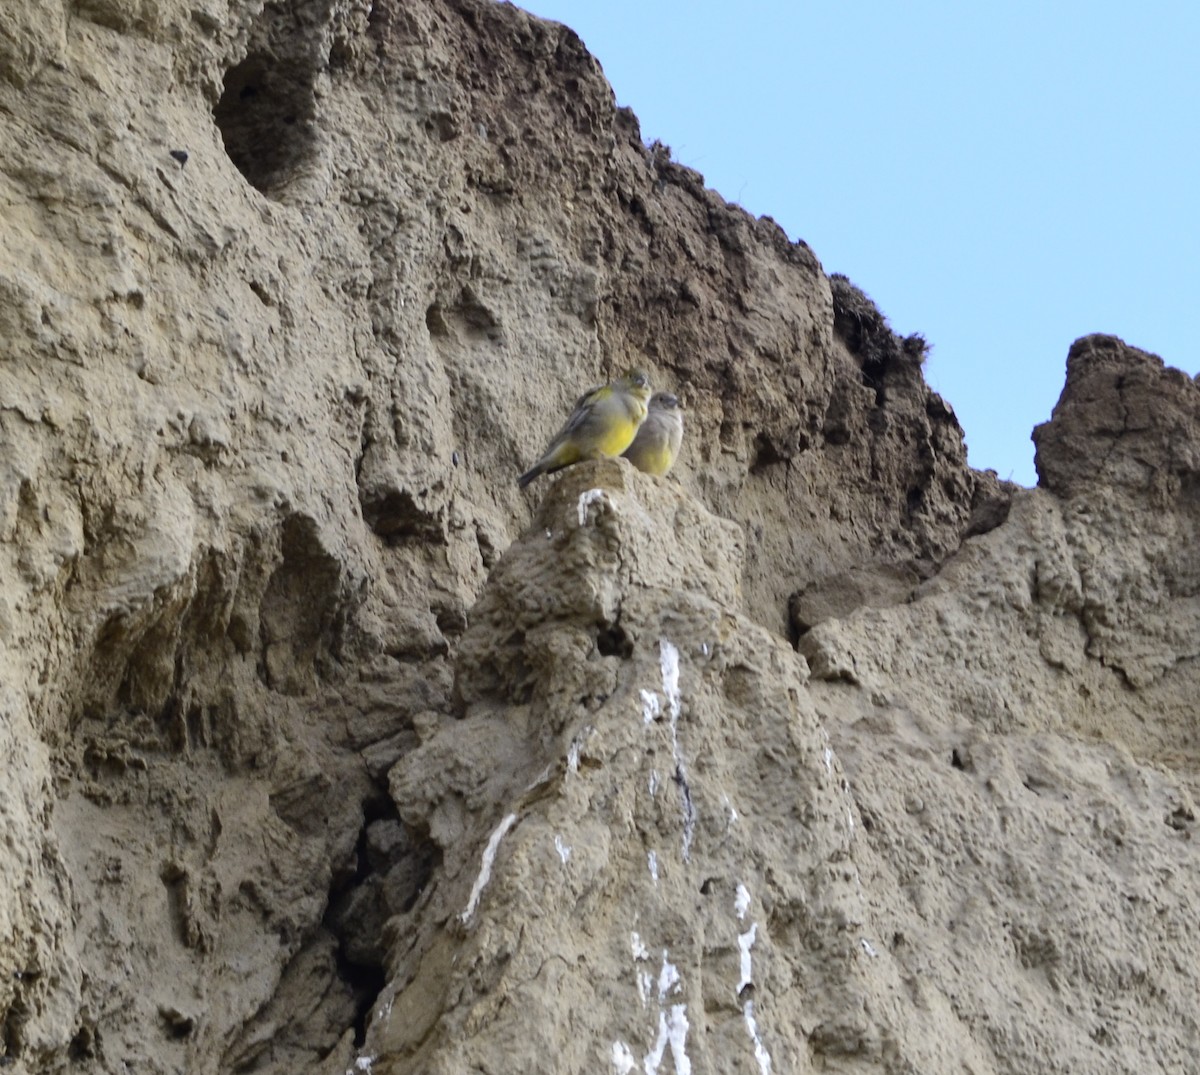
{"type": "Point", "coordinates": [657, 442]}
{"type": "Point", "coordinates": [602, 426]}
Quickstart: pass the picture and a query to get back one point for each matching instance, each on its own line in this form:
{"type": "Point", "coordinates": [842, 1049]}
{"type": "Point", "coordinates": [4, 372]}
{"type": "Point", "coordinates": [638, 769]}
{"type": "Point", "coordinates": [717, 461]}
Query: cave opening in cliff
{"type": "Point", "coordinates": [267, 110]}
{"type": "Point", "coordinates": [368, 905]}
{"type": "Point", "coordinates": [266, 119]}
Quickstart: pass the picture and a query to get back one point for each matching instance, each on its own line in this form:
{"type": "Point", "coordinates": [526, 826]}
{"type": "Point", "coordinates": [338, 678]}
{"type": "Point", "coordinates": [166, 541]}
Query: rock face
{"type": "Point", "coordinates": [328, 749]}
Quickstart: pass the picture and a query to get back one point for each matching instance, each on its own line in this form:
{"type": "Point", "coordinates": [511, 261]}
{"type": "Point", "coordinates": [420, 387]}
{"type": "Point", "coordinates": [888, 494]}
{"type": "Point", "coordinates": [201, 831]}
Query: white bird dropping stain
{"type": "Point", "coordinates": [652, 862]}
{"type": "Point", "coordinates": [677, 1027]}
{"type": "Point", "coordinates": [742, 903]}
{"type": "Point", "coordinates": [651, 706]}
{"type": "Point", "coordinates": [745, 943]}
{"type": "Point", "coordinates": [760, 1050]}
{"type": "Point", "coordinates": [672, 1027]}
{"type": "Point", "coordinates": [868, 947]}
{"type": "Point", "coordinates": [564, 850]}
{"type": "Point", "coordinates": [672, 1030]}
{"type": "Point", "coordinates": [575, 750]}
{"type": "Point", "coordinates": [733, 814]}
{"type": "Point", "coordinates": [668, 658]}
{"type": "Point", "coordinates": [668, 978]}
{"type": "Point", "coordinates": [485, 868]}
{"type": "Point", "coordinates": [586, 500]}
{"type": "Point", "coordinates": [622, 1059]}
{"type": "Point", "coordinates": [645, 980]}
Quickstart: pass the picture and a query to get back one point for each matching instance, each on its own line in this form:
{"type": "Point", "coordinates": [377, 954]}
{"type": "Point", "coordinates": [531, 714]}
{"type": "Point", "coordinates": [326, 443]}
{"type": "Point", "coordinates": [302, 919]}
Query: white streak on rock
{"type": "Point", "coordinates": [652, 862]}
{"type": "Point", "coordinates": [829, 760]}
{"type": "Point", "coordinates": [586, 500]}
{"type": "Point", "coordinates": [651, 707]}
{"type": "Point", "coordinates": [669, 665]}
{"type": "Point", "coordinates": [672, 1026]}
{"type": "Point", "coordinates": [654, 1056]}
{"type": "Point", "coordinates": [677, 1028]}
{"type": "Point", "coordinates": [575, 750]}
{"type": "Point", "coordinates": [638, 947]}
{"type": "Point", "coordinates": [485, 869]}
{"type": "Point", "coordinates": [564, 850]}
{"type": "Point", "coordinates": [645, 984]}
{"type": "Point", "coordinates": [641, 954]}
{"type": "Point", "coordinates": [541, 779]}
{"type": "Point", "coordinates": [668, 660]}
{"type": "Point", "coordinates": [760, 1050]}
{"type": "Point", "coordinates": [745, 943]}
{"type": "Point", "coordinates": [653, 782]}
{"type": "Point", "coordinates": [742, 903]}
{"type": "Point", "coordinates": [622, 1059]}
{"type": "Point", "coordinates": [668, 978]}
{"type": "Point", "coordinates": [868, 947]}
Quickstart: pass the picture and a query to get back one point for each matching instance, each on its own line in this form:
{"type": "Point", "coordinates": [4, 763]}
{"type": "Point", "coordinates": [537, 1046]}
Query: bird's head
{"type": "Point", "coordinates": [638, 382]}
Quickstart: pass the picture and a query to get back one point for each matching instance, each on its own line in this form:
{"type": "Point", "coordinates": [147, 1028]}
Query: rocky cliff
{"type": "Point", "coordinates": [326, 749]}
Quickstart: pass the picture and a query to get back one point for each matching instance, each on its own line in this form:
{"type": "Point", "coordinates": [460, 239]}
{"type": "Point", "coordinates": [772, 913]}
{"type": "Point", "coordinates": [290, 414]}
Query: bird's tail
{"type": "Point", "coordinates": [529, 475]}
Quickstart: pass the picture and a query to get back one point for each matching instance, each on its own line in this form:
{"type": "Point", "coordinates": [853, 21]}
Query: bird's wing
{"type": "Point", "coordinates": [588, 395]}
{"type": "Point", "coordinates": [584, 406]}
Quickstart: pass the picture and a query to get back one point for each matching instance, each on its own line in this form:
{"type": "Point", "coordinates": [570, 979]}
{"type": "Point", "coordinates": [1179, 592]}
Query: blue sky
{"type": "Point", "coordinates": [1001, 177]}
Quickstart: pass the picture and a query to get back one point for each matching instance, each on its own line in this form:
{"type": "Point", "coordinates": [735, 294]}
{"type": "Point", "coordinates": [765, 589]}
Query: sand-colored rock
{"type": "Point", "coordinates": [289, 295]}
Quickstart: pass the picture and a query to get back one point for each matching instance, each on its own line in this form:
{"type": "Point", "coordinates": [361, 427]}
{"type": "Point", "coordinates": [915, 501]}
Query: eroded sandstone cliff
{"type": "Point", "coordinates": [326, 748]}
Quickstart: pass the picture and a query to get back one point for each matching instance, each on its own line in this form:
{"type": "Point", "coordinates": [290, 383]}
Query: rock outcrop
{"type": "Point", "coordinates": [327, 748]}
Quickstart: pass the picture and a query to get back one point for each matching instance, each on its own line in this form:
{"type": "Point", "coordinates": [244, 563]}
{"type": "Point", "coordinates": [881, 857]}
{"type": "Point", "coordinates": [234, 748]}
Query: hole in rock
{"type": "Point", "coordinates": [1180, 818]}
{"type": "Point", "coordinates": [12, 1037]}
{"type": "Point", "coordinates": [766, 454]}
{"type": "Point", "coordinates": [612, 641]}
{"type": "Point", "coordinates": [82, 1046]}
{"type": "Point", "coordinates": [267, 109]}
{"type": "Point", "coordinates": [397, 516]}
{"type": "Point", "coordinates": [392, 865]}
{"type": "Point", "coordinates": [177, 1025]}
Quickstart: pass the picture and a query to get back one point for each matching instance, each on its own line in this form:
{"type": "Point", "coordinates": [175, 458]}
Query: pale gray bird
{"type": "Point", "coordinates": [658, 438]}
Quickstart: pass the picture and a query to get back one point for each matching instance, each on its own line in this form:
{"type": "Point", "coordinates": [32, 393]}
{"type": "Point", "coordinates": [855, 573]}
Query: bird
{"type": "Point", "coordinates": [603, 424]}
{"type": "Point", "coordinates": [658, 438]}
